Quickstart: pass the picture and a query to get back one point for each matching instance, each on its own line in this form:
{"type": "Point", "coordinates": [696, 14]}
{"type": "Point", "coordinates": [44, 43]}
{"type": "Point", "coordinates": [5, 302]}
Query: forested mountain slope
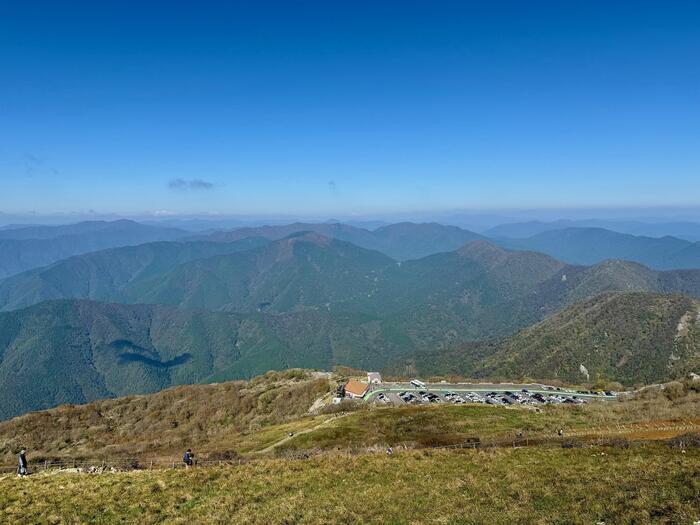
{"type": "Point", "coordinates": [32, 247]}
{"type": "Point", "coordinates": [401, 241]}
{"type": "Point", "coordinates": [78, 351]}
{"type": "Point", "coordinates": [593, 245]}
{"type": "Point", "coordinates": [109, 274]}
{"type": "Point", "coordinates": [633, 338]}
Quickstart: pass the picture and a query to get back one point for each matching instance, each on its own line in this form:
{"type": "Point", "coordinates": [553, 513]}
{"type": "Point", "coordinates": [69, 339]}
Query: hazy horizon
{"type": "Point", "coordinates": [477, 220]}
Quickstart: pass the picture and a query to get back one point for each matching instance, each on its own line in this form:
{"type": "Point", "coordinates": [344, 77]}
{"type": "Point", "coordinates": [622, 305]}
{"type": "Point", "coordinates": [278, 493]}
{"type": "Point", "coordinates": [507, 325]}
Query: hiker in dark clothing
{"type": "Point", "coordinates": [188, 458]}
{"type": "Point", "coordinates": [22, 468]}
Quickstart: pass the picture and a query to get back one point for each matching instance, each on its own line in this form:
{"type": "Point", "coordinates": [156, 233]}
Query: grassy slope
{"type": "Point", "coordinates": [208, 417]}
{"type": "Point", "coordinates": [348, 482]}
{"type": "Point", "coordinates": [641, 485]}
{"type": "Point", "coordinates": [248, 417]}
{"type": "Point", "coordinates": [421, 426]}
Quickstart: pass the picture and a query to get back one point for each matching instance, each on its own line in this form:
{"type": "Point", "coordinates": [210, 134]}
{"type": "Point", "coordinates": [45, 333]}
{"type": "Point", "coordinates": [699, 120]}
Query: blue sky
{"type": "Point", "coordinates": [344, 108]}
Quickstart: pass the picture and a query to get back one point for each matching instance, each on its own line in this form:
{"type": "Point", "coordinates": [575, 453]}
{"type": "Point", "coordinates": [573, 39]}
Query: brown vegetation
{"type": "Point", "coordinates": [164, 422]}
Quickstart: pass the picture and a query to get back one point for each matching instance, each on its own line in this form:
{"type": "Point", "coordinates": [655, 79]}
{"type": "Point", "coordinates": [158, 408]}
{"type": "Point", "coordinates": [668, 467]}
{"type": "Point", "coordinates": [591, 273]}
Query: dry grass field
{"type": "Point", "coordinates": [614, 464]}
{"type": "Point", "coordinates": [542, 485]}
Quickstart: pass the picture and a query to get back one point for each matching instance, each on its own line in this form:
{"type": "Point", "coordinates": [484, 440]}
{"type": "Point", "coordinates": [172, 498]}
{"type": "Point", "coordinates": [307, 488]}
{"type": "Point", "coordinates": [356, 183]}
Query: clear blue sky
{"type": "Point", "coordinates": [336, 107]}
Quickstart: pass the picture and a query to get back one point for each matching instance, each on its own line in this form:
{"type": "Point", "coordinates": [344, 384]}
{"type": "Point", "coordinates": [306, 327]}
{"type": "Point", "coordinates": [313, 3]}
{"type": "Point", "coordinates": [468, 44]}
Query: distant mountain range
{"type": "Point", "coordinates": [120, 227]}
{"type": "Point", "coordinates": [575, 245]}
{"type": "Point", "coordinates": [234, 304]}
{"type": "Point", "coordinates": [592, 245]}
{"type": "Point", "coordinates": [689, 231]}
{"type": "Point", "coordinates": [478, 291]}
{"type": "Point", "coordinates": [399, 241]}
{"type": "Point", "coordinates": [109, 274]}
{"type": "Point", "coordinates": [309, 270]}
{"type": "Point", "coordinates": [24, 248]}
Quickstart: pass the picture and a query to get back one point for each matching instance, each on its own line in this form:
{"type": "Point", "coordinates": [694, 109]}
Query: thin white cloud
{"type": "Point", "coordinates": [191, 184]}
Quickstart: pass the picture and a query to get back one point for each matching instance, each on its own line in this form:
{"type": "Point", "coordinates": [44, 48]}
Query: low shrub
{"type": "Point", "coordinates": [616, 443]}
{"type": "Point", "coordinates": [223, 455]}
{"type": "Point", "coordinates": [346, 405]}
{"type": "Point", "coordinates": [689, 440]}
{"type": "Point", "coordinates": [571, 443]}
{"type": "Point", "coordinates": [674, 390]}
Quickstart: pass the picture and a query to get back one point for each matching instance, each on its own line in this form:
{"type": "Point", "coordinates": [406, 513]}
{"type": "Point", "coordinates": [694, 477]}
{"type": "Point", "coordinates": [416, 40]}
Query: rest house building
{"type": "Point", "coordinates": [355, 389]}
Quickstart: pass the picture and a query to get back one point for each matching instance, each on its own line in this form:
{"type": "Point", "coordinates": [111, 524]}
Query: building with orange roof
{"type": "Point", "coordinates": [355, 389]}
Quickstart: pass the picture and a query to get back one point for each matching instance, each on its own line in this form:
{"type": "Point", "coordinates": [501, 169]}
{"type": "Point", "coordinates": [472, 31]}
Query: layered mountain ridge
{"type": "Point", "coordinates": [231, 305]}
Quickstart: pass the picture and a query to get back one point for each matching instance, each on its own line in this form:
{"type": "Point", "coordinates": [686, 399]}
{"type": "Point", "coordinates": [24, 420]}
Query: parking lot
{"type": "Point", "coordinates": [489, 394]}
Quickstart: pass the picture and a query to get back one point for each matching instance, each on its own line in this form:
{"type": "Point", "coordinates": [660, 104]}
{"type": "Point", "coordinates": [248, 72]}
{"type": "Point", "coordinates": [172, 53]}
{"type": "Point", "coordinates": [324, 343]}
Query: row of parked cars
{"type": "Point", "coordinates": [593, 392]}
{"type": "Point", "coordinates": [422, 396]}
{"type": "Point", "coordinates": [492, 398]}
{"type": "Point", "coordinates": [409, 397]}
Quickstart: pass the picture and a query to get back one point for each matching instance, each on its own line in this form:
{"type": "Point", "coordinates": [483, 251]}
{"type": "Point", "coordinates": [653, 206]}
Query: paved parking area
{"type": "Point", "coordinates": [484, 393]}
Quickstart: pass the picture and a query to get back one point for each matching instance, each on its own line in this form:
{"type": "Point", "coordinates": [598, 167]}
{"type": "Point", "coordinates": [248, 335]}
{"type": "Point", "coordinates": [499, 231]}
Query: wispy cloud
{"type": "Point", "coordinates": [333, 188]}
{"type": "Point", "coordinates": [36, 165]}
{"type": "Point", "coordinates": [192, 184]}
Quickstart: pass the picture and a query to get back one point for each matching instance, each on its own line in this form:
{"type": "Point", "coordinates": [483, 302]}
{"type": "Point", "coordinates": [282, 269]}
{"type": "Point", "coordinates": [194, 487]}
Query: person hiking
{"type": "Point", "coordinates": [188, 458]}
{"type": "Point", "coordinates": [22, 467]}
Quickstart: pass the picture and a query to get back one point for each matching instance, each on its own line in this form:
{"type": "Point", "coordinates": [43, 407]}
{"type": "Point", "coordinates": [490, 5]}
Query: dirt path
{"type": "Point", "coordinates": [306, 431]}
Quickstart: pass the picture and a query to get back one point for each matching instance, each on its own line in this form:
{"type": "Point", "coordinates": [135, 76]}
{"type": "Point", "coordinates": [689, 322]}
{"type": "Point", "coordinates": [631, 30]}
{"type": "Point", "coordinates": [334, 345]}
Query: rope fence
{"type": "Point", "coordinates": [117, 465]}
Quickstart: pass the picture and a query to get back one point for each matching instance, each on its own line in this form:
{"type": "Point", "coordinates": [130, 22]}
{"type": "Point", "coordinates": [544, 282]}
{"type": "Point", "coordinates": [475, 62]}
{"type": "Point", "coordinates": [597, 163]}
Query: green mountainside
{"type": "Point", "coordinates": [108, 274]}
{"type": "Point", "coordinates": [633, 338]}
{"type": "Point", "coordinates": [407, 240]}
{"type": "Point", "coordinates": [687, 230]}
{"type": "Point", "coordinates": [401, 241]}
{"type": "Point", "coordinates": [477, 292]}
{"type": "Point", "coordinates": [116, 227]}
{"type": "Point", "coordinates": [593, 245]}
{"type": "Point", "coordinates": [308, 300]}
{"type": "Point", "coordinates": [299, 271]}
{"type": "Point", "coordinates": [32, 247]}
{"type": "Point", "coordinates": [78, 351]}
